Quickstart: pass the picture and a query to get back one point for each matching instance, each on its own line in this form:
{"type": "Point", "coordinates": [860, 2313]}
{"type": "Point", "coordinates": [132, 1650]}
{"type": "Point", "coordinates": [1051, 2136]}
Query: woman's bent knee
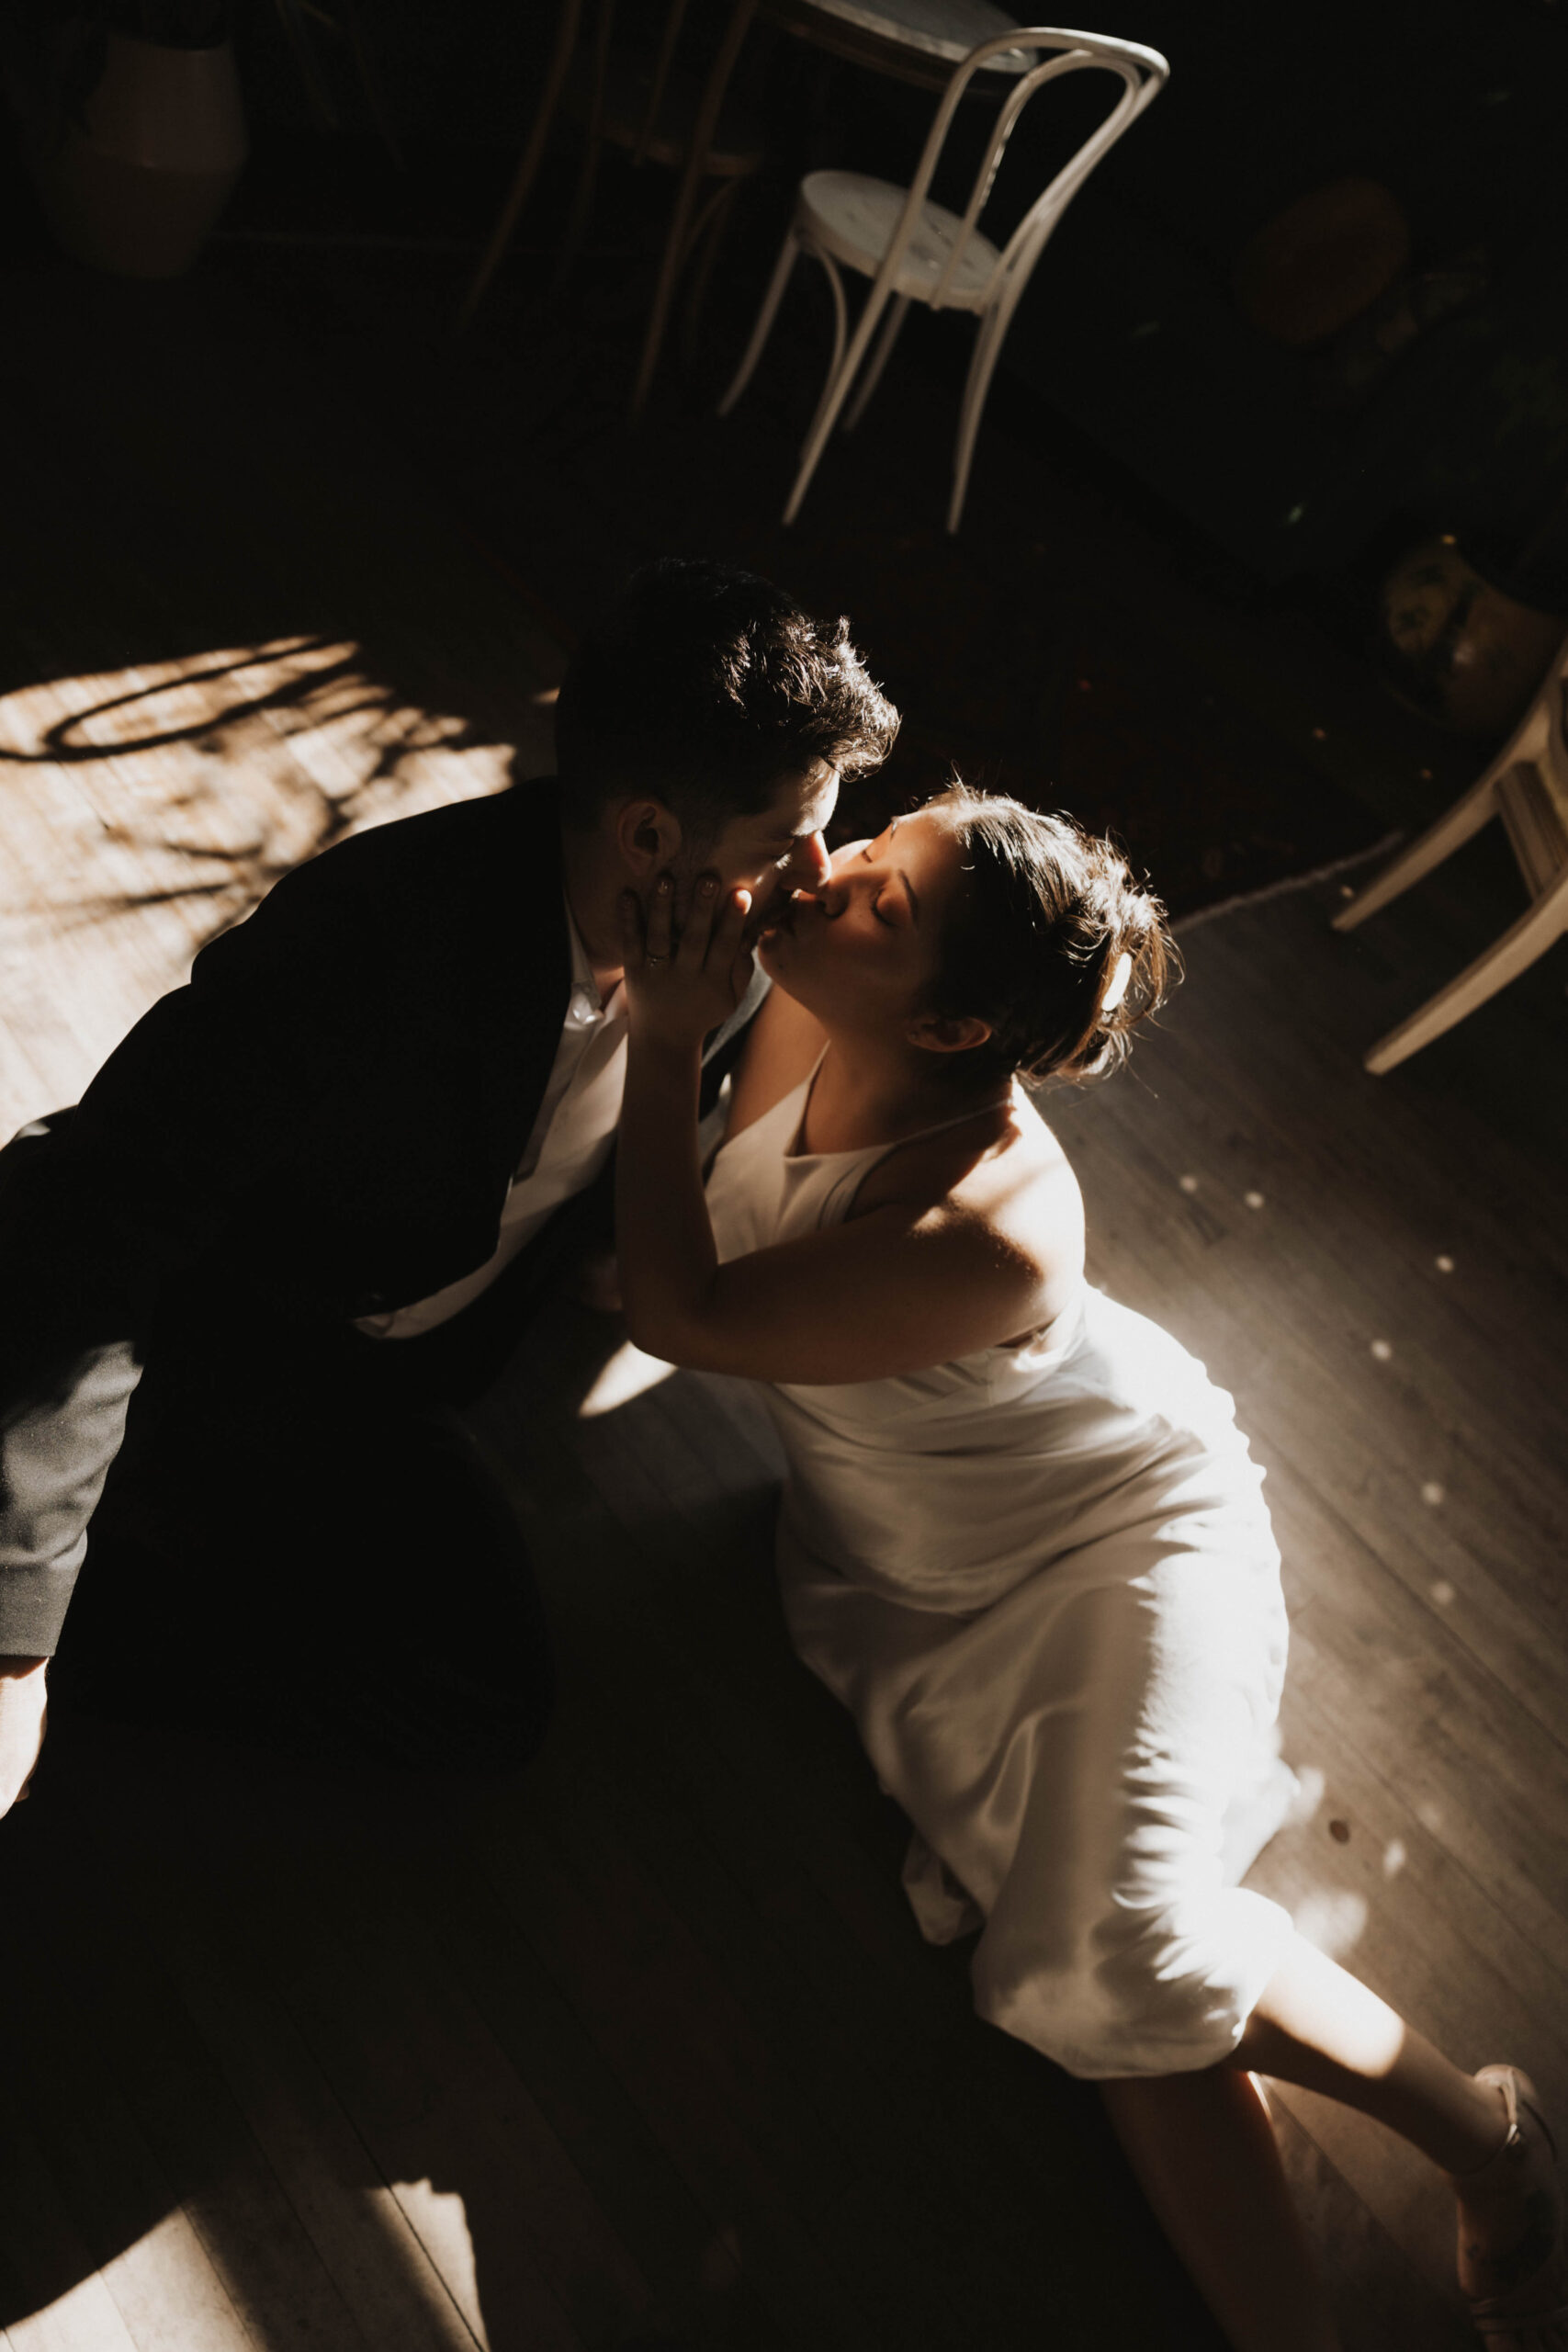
{"type": "Point", "coordinates": [1164, 1994]}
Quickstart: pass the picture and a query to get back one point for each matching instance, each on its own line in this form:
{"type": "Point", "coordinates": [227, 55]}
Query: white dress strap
{"type": "Point", "coordinates": [761, 1190]}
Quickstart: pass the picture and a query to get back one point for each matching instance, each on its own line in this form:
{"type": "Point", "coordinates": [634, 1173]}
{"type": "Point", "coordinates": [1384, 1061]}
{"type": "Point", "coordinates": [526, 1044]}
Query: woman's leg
{"type": "Point", "coordinates": [1319, 2026]}
{"type": "Point", "coordinates": [1202, 2151]}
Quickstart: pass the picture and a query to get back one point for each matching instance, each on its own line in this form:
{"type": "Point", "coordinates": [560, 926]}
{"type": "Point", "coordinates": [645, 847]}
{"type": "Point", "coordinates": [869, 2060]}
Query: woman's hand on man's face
{"type": "Point", "coordinates": [683, 980]}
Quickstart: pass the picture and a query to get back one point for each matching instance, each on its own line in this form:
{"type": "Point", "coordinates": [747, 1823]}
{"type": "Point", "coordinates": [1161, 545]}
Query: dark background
{"type": "Point", "coordinates": [1129, 332]}
{"type": "Point", "coordinates": [1161, 608]}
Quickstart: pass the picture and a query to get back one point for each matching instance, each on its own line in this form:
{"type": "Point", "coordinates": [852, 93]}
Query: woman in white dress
{"type": "Point", "coordinates": [1022, 1538]}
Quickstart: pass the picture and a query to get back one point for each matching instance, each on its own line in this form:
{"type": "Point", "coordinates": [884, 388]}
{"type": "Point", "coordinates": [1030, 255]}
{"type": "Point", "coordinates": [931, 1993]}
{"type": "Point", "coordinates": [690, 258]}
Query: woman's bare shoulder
{"type": "Point", "coordinates": [1005, 1152]}
{"type": "Point", "coordinates": [782, 1046]}
{"type": "Point", "coordinates": [1028, 1193]}
{"type": "Point", "coordinates": [1008, 1173]}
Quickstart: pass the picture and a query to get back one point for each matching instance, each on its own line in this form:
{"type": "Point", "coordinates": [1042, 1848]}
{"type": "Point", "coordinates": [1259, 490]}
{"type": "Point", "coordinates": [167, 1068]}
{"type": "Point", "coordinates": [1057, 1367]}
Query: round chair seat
{"type": "Point", "coordinates": [852, 217]}
{"type": "Point", "coordinates": [899, 37]}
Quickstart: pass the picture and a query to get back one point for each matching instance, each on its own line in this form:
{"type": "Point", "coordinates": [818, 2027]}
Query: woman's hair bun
{"type": "Point", "coordinates": [1035, 944]}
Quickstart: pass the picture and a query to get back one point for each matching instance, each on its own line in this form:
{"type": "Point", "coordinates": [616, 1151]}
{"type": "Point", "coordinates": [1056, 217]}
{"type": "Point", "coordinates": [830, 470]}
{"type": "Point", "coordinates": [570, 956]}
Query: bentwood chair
{"type": "Point", "coordinates": [634, 94]}
{"type": "Point", "coordinates": [914, 250]}
{"type": "Point", "coordinates": [1526, 786]}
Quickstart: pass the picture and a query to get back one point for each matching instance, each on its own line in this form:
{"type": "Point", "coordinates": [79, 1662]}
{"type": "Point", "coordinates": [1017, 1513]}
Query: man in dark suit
{"type": "Point", "coordinates": [302, 1213]}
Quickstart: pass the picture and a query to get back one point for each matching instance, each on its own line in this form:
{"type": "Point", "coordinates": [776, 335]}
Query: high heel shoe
{"type": "Point", "coordinates": [1520, 2303]}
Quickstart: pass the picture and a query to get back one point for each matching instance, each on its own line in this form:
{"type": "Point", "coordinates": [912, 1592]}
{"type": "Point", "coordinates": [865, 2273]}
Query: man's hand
{"type": "Point", "coordinates": [24, 1710]}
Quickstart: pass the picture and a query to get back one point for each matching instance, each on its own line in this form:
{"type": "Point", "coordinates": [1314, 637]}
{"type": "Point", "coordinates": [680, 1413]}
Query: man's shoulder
{"type": "Point", "coordinates": [511, 836]}
{"type": "Point", "coordinates": [459, 864]}
{"type": "Point", "coordinates": [459, 887]}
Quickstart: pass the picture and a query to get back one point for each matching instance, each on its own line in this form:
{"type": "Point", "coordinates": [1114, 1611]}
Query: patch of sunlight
{"type": "Point", "coordinates": [628, 1374]}
{"type": "Point", "coordinates": [147, 809]}
{"type": "Point", "coordinates": [1311, 1786]}
{"type": "Point", "coordinates": [167, 2274]}
{"type": "Point", "coordinates": [439, 2219]}
{"type": "Point", "coordinates": [162, 2289]}
{"type": "Point", "coordinates": [408, 2259]}
{"type": "Point", "coordinates": [1332, 1917]}
{"type": "Point", "coordinates": [86, 2314]}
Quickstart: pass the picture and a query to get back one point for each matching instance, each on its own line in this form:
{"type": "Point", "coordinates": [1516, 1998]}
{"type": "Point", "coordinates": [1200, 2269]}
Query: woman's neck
{"type": "Point", "coordinates": [866, 1093]}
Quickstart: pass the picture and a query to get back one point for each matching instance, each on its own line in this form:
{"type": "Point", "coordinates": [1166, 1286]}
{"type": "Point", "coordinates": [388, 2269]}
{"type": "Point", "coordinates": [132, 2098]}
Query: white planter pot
{"type": "Point", "coordinates": [138, 189]}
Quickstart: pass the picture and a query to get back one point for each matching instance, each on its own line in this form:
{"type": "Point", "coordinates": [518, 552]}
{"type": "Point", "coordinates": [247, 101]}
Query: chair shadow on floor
{"type": "Point", "coordinates": [149, 806]}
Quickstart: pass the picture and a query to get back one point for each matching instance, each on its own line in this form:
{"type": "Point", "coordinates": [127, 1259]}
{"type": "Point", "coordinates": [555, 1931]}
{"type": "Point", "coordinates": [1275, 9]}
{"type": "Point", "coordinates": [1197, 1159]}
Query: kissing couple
{"type": "Point", "coordinates": [302, 1218]}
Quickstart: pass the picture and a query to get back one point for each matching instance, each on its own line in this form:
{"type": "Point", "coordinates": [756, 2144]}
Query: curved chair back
{"type": "Point", "coordinates": [1142, 73]}
{"type": "Point", "coordinates": [992, 292]}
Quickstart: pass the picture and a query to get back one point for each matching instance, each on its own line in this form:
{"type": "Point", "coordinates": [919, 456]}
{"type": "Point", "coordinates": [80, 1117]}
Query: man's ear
{"type": "Point", "coordinates": [936, 1034]}
{"type": "Point", "coordinates": [647, 836]}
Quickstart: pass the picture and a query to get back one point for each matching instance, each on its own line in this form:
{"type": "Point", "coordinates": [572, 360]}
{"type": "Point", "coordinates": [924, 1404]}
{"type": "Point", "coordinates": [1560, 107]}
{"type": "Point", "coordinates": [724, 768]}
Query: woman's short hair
{"type": "Point", "coordinates": [1034, 942]}
{"type": "Point", "coordinates": [704, 686]}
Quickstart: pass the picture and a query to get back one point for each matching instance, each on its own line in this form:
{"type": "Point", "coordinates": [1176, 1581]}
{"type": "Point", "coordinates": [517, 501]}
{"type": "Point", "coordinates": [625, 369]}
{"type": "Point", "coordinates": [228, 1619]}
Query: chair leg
{"type": "Point", "coordinates": [692, 174]}
{"type": "Point", "coordinates": [593, 149]}
{"type": "Point", "coordinates": [788, 253]}
{"type": "Point", "coordinates": [581, 210]}
{"type": "Point", "coordinates": [982, 367]}
{"type": "Point", "coordinates": [707, 236]}
{"type": "Point", "coordinates": [529, 169]}
{"type": "Point", "coordinates": [840, 338]}
{"type": "Point", "coordinates": [1467, 816]}
{"type": "Point", "coordinates": [1540, 924]}
{"type": "Point", "coordinates": [872, 374]}
{"type": "Point", "coordinates": [840, 375]}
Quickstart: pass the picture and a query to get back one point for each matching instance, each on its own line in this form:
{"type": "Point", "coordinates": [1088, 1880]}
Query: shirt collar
{"type": "Point", "coordinates": [585, 1007]}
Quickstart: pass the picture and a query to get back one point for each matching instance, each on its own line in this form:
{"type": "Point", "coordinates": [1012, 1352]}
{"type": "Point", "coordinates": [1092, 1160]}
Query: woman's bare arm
{"type": "Point", "coordinates": [907, 1286]}
{"type": "Point", "coordinates": [912, 1283]}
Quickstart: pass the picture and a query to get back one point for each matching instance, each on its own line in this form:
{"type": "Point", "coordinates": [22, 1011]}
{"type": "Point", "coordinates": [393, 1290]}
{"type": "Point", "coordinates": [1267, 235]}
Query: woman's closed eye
{"type": "Point", "coordinates": [876, 903]}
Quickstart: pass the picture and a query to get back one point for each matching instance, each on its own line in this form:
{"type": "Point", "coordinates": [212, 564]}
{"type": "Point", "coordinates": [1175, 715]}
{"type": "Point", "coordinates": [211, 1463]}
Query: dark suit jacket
{"type": "Point", "coordinates": [327, 1116]}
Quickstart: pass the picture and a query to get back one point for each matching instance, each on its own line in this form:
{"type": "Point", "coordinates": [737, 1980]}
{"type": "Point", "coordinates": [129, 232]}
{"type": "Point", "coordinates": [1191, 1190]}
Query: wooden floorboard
{"type": "Point", "coordinates": [641, 2045]}
{"type": "Point", "coordinates": [642, 2041]}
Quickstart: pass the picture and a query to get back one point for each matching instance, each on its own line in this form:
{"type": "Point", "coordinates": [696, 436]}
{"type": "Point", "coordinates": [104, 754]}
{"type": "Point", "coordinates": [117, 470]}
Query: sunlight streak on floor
{"type": "Point", "coordinates": [163, 2288]}
{"type": "Point", "coordinates": [439, 2219]}
{"type": "Point", "coordinates": [145, 809]}
{"type": "Point", "coordinates": [1332, 1917]}
{"type": "Point", "coordinates": [628, 1374]}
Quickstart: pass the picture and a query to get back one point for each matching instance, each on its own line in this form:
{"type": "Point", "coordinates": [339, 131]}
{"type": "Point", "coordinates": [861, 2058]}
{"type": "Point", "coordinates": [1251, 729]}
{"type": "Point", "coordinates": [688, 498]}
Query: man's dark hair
{"type": "Point", "coordinates": [703, 687]}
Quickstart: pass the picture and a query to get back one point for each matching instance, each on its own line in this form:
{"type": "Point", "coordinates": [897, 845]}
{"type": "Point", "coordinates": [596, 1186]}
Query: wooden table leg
{"type": "Point", "coordinates": [686, 196]}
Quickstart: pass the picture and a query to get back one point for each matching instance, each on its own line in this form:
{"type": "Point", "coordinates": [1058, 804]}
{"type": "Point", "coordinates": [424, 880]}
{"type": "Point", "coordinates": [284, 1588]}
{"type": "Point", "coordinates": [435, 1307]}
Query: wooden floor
{"type": "Point", "coordinates": [233, 628]}
{"type": "Point", "coordinates": [641, 2045]}
{"type": "Point", "coordinates": [149, 806]}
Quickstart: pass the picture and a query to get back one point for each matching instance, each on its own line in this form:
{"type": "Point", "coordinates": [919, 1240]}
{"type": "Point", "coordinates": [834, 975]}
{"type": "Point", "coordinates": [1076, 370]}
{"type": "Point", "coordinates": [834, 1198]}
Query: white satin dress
{"type": "Point", "coordinates": [1043, 1580]}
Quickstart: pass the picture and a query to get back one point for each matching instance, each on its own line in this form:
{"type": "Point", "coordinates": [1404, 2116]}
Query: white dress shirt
{"type": "Point", "coordinates": [569, 1142]}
